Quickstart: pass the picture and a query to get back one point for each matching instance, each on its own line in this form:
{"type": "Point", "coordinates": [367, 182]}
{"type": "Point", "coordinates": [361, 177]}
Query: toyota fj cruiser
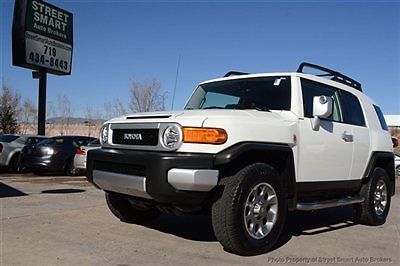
{"type": "Point", "coordinates": [249, 148]}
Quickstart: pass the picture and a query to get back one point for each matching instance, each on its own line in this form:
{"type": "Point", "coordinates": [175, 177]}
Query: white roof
{"type": "Point", "coordinates": [392, 120]}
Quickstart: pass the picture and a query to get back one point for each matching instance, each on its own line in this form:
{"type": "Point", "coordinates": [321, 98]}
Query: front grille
{"type": "Point", "coordinates": [142, 137]}
{"type": "Point", "coordinates": [120, 168]}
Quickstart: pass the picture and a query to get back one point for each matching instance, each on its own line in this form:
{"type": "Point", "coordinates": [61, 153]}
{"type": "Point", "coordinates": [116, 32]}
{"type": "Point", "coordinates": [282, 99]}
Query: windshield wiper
{"type": "Point", "coordinates": [258, 108]}
{"type": "Point", "coordinates": [214, 107]}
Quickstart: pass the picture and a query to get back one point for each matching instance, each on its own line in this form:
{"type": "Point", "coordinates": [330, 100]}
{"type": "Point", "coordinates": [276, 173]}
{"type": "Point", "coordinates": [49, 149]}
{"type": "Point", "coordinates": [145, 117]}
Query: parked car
{"type": "Point", "coordinates": [81, 154]}
{"type": "Point", "coordinates": [11, 146]}
{"type": "Point", "coordinates": [397, 162]}
{"type": "Point", "coordinates": [55, 154]}
{"type": "Point", "coordinates": [248, 148]}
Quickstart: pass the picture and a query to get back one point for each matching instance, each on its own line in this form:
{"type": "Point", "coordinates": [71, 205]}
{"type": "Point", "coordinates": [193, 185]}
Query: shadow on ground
{"type": "Point", "coordinates": [316, 222]}
{"type": "Point", "coordinates": [193, 227]}
{"type": "Point", "coordinates": [199, 228]}
{"type": "Point", "coordinates": [63, 191]}
{"type": "Point", "coordinates": [7, 191]}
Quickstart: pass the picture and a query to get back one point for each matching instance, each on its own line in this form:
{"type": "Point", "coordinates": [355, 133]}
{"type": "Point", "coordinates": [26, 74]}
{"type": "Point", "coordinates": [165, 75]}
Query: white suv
{"type": "Point", "coordinates": [249, 148]}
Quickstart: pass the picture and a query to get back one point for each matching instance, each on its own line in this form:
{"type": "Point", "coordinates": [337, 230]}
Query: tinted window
{"type": "Point", "coordinates": [273, 93]}
{"type": "Point", "coordinates": [53, 141]}
{"type": "Point", "coordinates": [381, 117]}
{"type": "Point", "coordinates": [82, 141]}
{"type": "Point", "coordinates": [95, 142]}
{"type": "Point", "coordinates": [353, 113]}
{"type": "Point", "coordinates": [310, 89]}
{"type": "Point", "coordinates": [31, 141]}
{"type": "Point", "coordinates": [8, 138]}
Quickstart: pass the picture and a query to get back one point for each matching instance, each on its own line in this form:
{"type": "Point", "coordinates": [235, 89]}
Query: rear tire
{"type": "Point", "coordinates": [249, 216]}
{"type": "Point", "coordinates": [70, 168]}
{"type": "Point", "coordinates": [127, 213]}
{"type": "Point", "coordinates": [377, 194]}
{"type": "Point", "coordinates": [15, 166]}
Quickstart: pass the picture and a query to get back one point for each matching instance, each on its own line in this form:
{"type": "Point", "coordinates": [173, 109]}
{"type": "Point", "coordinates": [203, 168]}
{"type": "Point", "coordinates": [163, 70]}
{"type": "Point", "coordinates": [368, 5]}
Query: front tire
{"type": "Point", "coordinates": [375, 208]}
{"type": "Point", "coordinates": [15, 166]}
{"type": "Point", "coordinates": [126, 212]}
{"type": "Point", "coordinates": [249, 216]}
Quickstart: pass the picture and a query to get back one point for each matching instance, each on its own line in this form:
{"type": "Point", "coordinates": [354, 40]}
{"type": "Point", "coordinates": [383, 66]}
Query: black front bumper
{"type": "Point", "coordinates": [154, 166]}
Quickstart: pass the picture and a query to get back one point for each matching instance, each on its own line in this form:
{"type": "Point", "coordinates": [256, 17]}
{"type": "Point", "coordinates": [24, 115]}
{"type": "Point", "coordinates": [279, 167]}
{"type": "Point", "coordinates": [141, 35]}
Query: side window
{"type": "Point", "coordinates": [381, 118]}
{"type": "Point", "coordinates": [310, 89]}
{"type": "Point", "coordinates": [353, 113]}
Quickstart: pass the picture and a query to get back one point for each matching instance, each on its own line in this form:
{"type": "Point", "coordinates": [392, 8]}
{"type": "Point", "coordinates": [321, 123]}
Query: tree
{"type": "Point", "coordinates": [9, 110]}
{"type": "Point", "coordinates": [28, 116]}
{"type": "Point", "coordinates": [65, 112]}
{"type": "Point", "coordinates": [89, 119]}
{"type": "Point", "coordinates": [146, 96]}
{"type": "Point", "coordinates": [114, 108]}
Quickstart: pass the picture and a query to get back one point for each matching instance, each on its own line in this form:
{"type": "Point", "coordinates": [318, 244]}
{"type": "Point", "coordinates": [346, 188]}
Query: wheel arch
{"type": "Point", "coordinates": [278, 156]}
{"type": "Point", "coordinates": [12, 155]}
{"type": "Point", "coordinates": [384, 160]}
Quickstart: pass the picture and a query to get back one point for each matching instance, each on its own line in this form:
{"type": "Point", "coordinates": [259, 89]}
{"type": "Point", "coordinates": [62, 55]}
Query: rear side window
{"type": "Point", "coordinates": [82, 141]}
{"type": "Point", "coordinates": [381, 118]}
{"type": "Point", "coordinates": [8, 138]}
{"type": "Point", "coordinates": [353, 113]}
{"type": "Point", "coordinates": [53, 141]}
{"type": "Point", "coordinates": [31, 141]}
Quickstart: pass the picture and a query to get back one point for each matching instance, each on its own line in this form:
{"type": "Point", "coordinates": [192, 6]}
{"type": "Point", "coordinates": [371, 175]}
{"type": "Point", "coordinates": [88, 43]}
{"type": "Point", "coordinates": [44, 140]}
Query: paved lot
{"type": "Point", "coordinates": [62, 220]}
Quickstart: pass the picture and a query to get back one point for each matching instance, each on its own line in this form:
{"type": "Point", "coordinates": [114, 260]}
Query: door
{"type": "Point", "coordinates": [325, 154]}
{"type": "Point", "coordinates": [354, 117]}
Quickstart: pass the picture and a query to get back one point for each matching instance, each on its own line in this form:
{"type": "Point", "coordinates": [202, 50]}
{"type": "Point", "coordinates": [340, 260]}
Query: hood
{"type": "Point", "coordinates": [197, 118]}
{"type": "Point", "coordinates": [145, 116]}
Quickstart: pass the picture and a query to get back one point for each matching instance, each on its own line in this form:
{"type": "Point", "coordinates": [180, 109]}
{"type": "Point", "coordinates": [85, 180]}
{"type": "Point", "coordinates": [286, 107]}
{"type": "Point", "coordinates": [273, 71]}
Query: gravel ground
{"type": "Point", "coordinates": [58, 220]}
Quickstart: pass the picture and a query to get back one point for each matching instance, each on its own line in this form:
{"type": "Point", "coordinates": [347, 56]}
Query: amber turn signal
{"type": "Point", "coordinates": [204, 135]}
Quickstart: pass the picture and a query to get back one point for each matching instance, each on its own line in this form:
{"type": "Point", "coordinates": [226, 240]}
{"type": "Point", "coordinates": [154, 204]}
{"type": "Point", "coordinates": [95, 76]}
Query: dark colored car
{"type": "Point", "coordinates": [10, 149]}
{"type": "Point", "coordinates": [55, 154]}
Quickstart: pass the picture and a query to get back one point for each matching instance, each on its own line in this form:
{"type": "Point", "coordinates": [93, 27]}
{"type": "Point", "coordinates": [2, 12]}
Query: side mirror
{"type": "Point", "coordinates": [322, 108]}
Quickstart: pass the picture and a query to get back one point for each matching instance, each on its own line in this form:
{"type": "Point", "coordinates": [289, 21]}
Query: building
{"type": "Point", "coordinates": [393, 121]}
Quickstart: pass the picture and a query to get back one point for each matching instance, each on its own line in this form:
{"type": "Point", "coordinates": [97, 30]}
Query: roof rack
{"type": "Point", "coordinates": [234, 73]}
{"type": "Point", "coordinates": [335, 76]}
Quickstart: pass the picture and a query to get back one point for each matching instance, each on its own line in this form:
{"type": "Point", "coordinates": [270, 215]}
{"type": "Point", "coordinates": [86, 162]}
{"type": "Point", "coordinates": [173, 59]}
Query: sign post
{"type": "Point", "coordinates": [42, 40]}
{"type": "Point", "coordinates": [42, 76]}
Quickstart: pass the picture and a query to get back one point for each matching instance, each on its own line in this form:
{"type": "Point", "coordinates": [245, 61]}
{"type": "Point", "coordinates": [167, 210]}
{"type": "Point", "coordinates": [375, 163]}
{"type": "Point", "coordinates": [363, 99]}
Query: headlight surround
{"type": "Point", "coordinates": [172, 137]}
{"type": "Point", "coordinates": [104, 133]}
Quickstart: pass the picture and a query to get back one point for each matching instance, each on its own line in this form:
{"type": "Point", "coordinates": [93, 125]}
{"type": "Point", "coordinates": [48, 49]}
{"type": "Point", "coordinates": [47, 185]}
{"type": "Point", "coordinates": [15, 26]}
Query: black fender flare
{"type": "Point", "coordinates": [384, 160]}
{"type": "Point", "coordinates": [229, 157]}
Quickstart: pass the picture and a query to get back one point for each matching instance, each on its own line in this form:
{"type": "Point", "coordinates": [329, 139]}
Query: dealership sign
{"type": "Point", "coordinates": [42, 37]}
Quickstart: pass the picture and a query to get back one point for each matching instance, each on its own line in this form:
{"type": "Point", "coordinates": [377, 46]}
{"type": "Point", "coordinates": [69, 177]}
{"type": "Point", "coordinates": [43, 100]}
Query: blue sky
{"type": "Point", "coordinates": [116, 41]}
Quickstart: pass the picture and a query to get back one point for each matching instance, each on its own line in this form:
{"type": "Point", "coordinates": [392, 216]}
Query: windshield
{"type": "Point", "coordinates": [269, 93]}
{"type": "Point", "coordinates": [8, 138]}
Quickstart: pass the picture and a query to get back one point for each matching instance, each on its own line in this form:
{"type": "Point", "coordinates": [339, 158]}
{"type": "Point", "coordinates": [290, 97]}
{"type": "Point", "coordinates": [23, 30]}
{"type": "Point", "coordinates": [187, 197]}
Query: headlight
{"type": "Point", "coordinates": [104, 133]}
{"type": "Point", "coordinates": [49, 151]}
{"type": "Point", "coordinates": [172, 137]}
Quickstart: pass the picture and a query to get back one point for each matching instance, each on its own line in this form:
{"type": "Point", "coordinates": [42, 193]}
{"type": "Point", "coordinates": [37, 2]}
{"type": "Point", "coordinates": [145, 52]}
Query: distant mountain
{"type": "Point", "coordinates": [73, 120]}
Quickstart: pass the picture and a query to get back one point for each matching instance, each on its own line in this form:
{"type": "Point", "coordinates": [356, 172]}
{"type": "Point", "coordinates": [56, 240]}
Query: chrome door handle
{"type": "Point", "coordinates": [346, 136]}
